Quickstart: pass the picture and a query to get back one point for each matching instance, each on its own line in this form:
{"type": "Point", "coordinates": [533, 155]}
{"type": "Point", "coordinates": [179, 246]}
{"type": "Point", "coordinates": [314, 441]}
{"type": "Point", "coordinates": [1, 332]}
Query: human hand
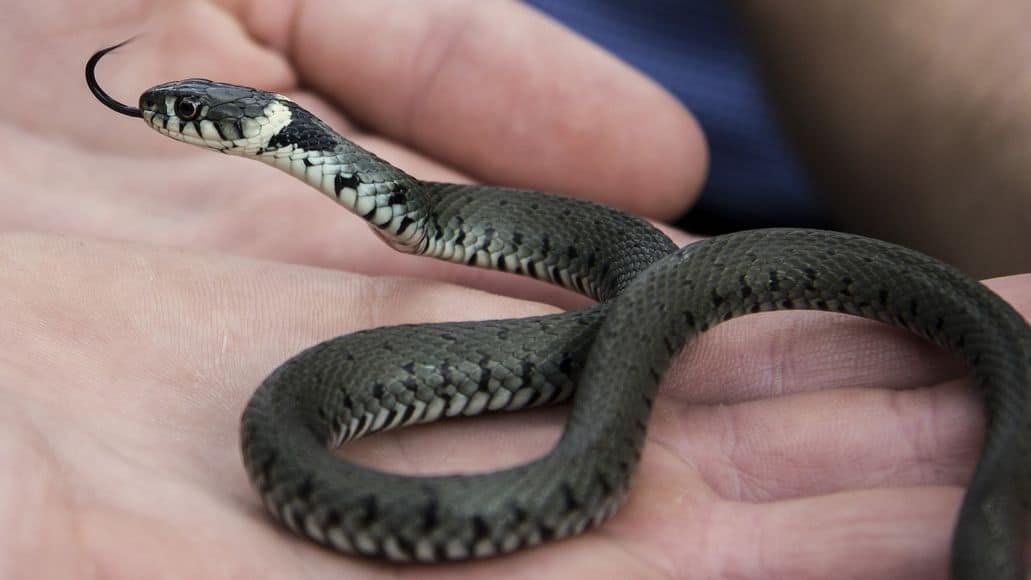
{"type": "Point", "coordinates": [798, 445]}
{"type": "Point", "coordinates": [135, 457]}
{"type": "Point", "coordinates": [448, 91]}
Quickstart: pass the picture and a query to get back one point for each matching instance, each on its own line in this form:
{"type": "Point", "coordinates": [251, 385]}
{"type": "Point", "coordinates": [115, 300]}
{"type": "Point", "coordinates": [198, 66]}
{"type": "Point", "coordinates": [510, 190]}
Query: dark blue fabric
{"type": "Point", "coordinates": [695, 49]}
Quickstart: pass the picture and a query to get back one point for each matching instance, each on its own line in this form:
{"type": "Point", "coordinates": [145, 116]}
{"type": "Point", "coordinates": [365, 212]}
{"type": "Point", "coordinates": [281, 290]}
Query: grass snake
{"type": "Point", "coordinates": [609, 357]}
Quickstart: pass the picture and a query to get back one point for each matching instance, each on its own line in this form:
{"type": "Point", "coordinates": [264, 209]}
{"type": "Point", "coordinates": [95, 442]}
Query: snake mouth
{"type": "Point", "coordinates": [101, 95]}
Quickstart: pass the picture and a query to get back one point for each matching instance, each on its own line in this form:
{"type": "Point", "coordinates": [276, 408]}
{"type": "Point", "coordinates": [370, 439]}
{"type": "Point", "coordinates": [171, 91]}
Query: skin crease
{"type": "Point", "coordinates": [147, 287]}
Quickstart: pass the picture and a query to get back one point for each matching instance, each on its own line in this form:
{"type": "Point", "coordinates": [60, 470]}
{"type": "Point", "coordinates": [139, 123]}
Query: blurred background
{"type": "Point", "coordinates": [906, 121]}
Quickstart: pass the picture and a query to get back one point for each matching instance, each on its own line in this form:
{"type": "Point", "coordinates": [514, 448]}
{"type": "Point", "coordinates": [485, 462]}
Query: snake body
{"type": "Point", "coordinates": [609, 358]}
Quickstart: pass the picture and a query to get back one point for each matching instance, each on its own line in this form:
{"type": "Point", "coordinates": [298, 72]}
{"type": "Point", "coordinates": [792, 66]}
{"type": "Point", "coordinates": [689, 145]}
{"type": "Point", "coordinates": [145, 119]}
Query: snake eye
{"type": "Point", "coordinates": [186, 108]}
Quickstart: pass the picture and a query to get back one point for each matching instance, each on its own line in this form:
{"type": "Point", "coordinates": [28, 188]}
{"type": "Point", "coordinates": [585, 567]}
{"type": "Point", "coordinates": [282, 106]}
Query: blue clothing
{"type": "Point", "coordinates": [695, 49]}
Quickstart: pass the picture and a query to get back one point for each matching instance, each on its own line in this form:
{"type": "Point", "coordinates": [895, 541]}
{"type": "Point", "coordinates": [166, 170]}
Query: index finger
{"type": "Point", "coordinates": [499, 91]}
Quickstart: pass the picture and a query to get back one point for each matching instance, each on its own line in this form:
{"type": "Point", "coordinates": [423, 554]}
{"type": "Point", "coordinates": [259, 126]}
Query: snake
{"type": "Point", "coordinates": [651, 299]}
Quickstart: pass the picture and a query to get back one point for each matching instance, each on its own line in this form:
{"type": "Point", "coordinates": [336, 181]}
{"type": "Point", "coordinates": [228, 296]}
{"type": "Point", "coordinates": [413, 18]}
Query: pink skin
{"type": "Point", "coordinates": [793, 445]}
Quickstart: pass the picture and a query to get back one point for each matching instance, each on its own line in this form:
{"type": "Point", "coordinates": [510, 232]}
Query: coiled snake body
{"type": "Point", "coordinates": [655, 298]}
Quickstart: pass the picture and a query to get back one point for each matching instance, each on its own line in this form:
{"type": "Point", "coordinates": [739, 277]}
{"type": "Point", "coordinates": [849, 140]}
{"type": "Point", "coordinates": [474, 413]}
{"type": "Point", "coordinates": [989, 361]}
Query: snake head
{"type": "Point", "coordinates": [219, 116]}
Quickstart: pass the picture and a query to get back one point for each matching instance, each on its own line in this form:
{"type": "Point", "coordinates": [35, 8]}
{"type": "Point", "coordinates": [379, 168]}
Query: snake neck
{"type": "Point", "coordinates": [586, 248]}
{"type": "Point", "coordinates": [371, 188]}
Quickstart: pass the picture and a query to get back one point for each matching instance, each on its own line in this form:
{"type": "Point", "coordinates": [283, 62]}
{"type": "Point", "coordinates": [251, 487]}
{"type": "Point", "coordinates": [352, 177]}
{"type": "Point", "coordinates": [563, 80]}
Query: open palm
{"type": "Point", "coordinates": [783, 445]}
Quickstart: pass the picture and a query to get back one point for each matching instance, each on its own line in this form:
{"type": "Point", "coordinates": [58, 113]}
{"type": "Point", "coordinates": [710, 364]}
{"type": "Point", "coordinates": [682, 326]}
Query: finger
{"type": "Point", "coordinates": [880, 533]}
{"type": "Point", "coordinates": [500, 92]}
{"type": "Point", "coordinates": [674, 522]}
{"type": "Point", "coordinates": [825, 442]}
{"type": "Point", "coordinates": [889, 534]}
{"type": "Point", "coordinates": [1014, 289]}
{"type": "Point", "coordinates": [820, 442]}
{"type": "Point", "coordinates": [773, 353]}
{"type": "Point", "coordinates": [214, 203]}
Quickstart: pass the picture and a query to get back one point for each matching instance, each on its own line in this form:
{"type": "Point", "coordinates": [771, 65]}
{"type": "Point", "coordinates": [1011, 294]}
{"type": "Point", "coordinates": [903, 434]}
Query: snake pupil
{"type": "Point", "coordinates": [186, 109]}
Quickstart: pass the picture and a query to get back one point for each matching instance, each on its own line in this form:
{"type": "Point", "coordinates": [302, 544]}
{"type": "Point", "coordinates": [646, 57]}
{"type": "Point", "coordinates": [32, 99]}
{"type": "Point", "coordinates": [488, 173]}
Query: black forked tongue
{"type": "Point", "coordinates": [99, 93]}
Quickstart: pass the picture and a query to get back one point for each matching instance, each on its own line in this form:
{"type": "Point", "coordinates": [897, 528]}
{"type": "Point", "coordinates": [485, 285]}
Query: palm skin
{"type": "Point", "coordinates": [793, 445]}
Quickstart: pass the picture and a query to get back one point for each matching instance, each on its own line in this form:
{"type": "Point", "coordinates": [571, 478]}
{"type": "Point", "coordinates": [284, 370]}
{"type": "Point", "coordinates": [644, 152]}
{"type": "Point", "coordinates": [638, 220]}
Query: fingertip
{"type": "Point", "coordinates": [666, 157]}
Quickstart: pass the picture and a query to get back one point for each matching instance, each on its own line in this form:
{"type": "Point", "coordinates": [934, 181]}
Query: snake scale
{"type": "Point", "coordinates": [609, 357]}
